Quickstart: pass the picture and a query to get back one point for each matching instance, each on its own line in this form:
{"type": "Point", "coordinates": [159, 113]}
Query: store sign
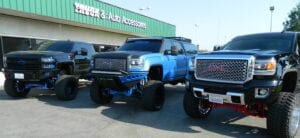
{"type": "Point", "coordinates": [104, 15]}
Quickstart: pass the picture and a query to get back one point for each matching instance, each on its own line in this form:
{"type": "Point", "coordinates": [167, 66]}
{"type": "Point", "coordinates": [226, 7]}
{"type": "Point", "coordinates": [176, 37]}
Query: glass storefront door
{"type": "Point", "coordinates": [15, 44]}
{"type": "Point", "coordinates": [1, 54]}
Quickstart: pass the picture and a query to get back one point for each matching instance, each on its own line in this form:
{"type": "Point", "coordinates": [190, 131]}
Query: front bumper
{"type": "Point", "coordinates": [119, 81]}
{"type": "Point", "coordinates": [30, 75]}
{"type": "Point", "coordinates": [235, 93]}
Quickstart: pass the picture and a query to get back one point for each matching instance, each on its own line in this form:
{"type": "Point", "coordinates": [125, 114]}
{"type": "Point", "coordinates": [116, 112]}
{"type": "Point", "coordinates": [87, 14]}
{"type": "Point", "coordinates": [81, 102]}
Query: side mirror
{"type": "Point", "coordinates": [217, 48]}
{"type": "Point", "coordinates": [174, 50]}
{"type": "Point", "coordinates": [167, 52]}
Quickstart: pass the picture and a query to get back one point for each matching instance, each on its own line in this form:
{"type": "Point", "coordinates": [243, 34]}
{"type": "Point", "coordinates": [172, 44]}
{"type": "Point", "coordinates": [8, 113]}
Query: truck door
{"type": "Point", "coordinates": [181, 60]}
{"type": "Point", "coordinates": [82, 61]}
{"type": "Point", "coordinates": [169, 62]}
{"type": "Point", "coordinates": [175, 66]}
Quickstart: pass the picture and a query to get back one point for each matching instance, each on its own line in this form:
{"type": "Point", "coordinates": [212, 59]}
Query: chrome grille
{"type": "Point", "coordinates": [103, 64]}
{"type": "Point", "coordinates": [222, 70]}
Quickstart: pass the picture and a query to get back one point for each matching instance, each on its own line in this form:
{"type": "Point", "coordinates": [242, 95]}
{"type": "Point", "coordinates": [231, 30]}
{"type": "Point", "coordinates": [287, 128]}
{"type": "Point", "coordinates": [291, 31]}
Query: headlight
{"type": "Point", "coordinates": [265, 67]}
{"type": "Point", "coordinates": [191, 64]}
{"type": "Point", "coordinates": [136, 62]}
{"type": "Point", "coordinates": [47, 59]}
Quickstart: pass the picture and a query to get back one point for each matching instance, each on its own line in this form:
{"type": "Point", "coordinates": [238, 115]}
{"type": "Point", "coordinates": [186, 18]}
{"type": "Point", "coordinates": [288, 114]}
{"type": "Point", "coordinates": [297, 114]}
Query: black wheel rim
{"type": "Point", "coordinates": [295, 115]}
{"type": "Point", "coordinates": [204, 106]}
{"type": "Point", "coordinates": [104, 93]}
{"type": "Point", "coordinates": [19, 87]}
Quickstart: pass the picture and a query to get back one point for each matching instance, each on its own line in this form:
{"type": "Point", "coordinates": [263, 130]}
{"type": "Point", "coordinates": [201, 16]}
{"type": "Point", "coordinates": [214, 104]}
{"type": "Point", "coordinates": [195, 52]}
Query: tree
{"type": "Point", "coordinates": [293, 23]}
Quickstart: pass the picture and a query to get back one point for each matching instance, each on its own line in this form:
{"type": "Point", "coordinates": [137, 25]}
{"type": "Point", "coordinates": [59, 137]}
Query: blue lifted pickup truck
{"type": "Point", "coordinates": [140, 68]}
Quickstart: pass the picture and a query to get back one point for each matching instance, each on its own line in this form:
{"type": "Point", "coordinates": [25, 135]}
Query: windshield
{"type": "Point", "coordinates": [260, 44]}
{"type": "Point", "coordinates": [142, 45]}
{"type": "Point", "coordinates": [65, 47]}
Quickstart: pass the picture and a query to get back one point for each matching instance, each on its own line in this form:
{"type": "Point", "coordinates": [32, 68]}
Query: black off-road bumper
{"type": "Point", "coordinates": [119, 81]}
{"type": "Point", "coordinates": [30, 75]}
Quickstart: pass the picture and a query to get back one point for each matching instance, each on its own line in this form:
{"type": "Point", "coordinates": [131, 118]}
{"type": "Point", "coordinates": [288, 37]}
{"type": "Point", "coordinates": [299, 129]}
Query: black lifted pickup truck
{"type": "Point", "coordinates": [55, 65]}
{"type": "Point", "coordinates": [254, 74]}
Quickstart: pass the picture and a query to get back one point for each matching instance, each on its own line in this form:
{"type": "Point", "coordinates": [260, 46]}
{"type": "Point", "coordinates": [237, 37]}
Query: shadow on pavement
{"type": "Point", "coordinates": [82, 100]}
{"type": "Point", "coordinates": [49, 97]}
{"type": "Point", "coordinates": [173, 118]}
{"type": "Point", "coordinates": [224, 122]}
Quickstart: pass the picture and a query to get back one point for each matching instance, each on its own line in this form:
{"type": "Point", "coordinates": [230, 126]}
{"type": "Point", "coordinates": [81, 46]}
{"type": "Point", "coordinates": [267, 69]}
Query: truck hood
{"type": "Point", "coordinates": [258, 54]}
{"type": "Point", "coordinates": [33, 54]}
{"type": "Point", "coordinates": [122, 54]}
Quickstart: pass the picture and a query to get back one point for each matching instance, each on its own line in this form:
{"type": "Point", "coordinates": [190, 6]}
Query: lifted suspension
{"type": "Point", "coordinates": [258, 109]}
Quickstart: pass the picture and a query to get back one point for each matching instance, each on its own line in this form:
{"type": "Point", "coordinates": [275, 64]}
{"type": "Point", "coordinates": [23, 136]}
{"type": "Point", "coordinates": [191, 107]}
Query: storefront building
{"type": "Point", "coordinates": [25, 24]}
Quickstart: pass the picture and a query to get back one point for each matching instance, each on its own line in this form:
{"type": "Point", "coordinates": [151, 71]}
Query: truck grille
{"type": "Point", "coordinates": [103, 64]}
{"type": "Point", "coordinates": [223, 70]}
{"type": "Point", "coordinates": [25, 63]}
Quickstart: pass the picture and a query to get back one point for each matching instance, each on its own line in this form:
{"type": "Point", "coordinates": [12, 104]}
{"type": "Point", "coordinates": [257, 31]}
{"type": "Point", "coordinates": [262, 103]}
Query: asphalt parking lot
{"type": "Point", "coordinates": [43, 115]}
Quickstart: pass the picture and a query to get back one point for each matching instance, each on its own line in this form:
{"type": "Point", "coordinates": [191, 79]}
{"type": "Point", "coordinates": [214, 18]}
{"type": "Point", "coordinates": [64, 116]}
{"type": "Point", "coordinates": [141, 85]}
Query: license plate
{"type": "Point", "coordinates": [216, 99]}
{"type": "Point", "coordinates": [19, 75]}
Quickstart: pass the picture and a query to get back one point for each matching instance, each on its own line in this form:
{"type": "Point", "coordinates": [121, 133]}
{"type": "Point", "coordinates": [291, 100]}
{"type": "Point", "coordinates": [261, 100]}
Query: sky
{"type": "Point", "coordinates": [214, 22]}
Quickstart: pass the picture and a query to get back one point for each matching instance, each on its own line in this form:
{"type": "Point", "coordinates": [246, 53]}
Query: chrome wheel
{"type": "Point", "coordinates": [295, 115]}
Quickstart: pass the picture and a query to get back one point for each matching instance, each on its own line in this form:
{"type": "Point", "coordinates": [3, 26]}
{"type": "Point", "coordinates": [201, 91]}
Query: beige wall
{"type": "Point", "coordinates": [30, 28]}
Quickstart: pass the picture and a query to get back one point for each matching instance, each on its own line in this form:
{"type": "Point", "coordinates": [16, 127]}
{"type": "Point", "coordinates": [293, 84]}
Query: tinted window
{"type": "Point", "coordinates": [167, 45]}
{"type": "Point", "coordinates": [277, 44]}
{"type": "Point", "coordinates": [142, 45]}
{"type": "Point", "coordinates": [190, 49]}
{"type": "Point", "coordinates": [1, 53]}
{"type": "Point", "coordinates": [179, 47]}
{"type": "Point", "coordinates": [56, 46]}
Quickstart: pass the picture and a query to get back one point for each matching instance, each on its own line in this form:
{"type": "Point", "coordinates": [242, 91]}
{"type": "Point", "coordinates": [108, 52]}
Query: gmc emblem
{"type": "Point", "coordinates": [214, 67]}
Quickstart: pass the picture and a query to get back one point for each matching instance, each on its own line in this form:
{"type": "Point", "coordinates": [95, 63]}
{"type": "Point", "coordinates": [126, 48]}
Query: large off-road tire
{"type": "Point", "coordinates": [66, 70]}
{"type": "Point", "coordinates": [15, 89]}
{"type": "Point", "coordinates": [196, 107]}
{"type": "Point", "coordinates": [284, 116]}
{"type": "Point", "coordinates": [153, 95]}
{"type": "Point", "coordinates": [174, 82]}
{"type": "Point", "coordinates": [99, 94]}
{"type": "Point", "coordinates": [66, 87]}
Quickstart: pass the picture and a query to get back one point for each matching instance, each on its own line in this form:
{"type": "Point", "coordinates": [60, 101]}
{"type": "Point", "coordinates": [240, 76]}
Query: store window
{"type": "Point", "coordinates": [105, 48]}
{"type": "Point", "coordinates": [190, 49]}
{"type": "Point", "coordinates": [1, 54]}
{"type": "Point", "coordinates": [15, 44]}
